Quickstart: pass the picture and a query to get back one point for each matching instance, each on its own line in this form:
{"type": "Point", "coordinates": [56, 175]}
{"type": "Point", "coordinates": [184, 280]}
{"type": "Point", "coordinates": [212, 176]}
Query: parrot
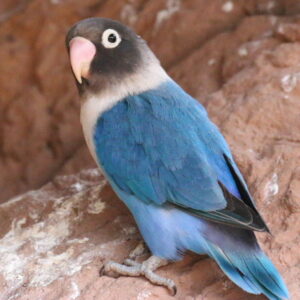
{"type": "Point", "coordinates": [166, 160]}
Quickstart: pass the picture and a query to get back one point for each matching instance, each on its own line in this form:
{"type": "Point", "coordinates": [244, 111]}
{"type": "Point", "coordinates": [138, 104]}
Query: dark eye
{"type": "Point", "coordinates": [111, 38]}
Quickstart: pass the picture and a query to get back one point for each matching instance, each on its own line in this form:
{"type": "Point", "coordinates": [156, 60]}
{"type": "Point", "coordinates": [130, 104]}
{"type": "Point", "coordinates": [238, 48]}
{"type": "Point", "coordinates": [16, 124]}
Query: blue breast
{"type": "Point", "coordinates": [161, 133]}
{"type": "Point", "coordinates": [159, 146]}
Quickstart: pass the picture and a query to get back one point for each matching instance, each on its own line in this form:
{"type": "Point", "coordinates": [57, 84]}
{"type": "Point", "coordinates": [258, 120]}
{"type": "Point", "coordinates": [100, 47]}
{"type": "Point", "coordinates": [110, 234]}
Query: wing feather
{"type": "Point", "coordinates": [161, 147]}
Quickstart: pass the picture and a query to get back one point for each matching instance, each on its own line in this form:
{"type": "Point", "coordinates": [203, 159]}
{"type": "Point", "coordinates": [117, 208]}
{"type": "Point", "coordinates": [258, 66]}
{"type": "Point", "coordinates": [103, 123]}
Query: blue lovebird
{"type": "Point", "coordinates": [165, 160]}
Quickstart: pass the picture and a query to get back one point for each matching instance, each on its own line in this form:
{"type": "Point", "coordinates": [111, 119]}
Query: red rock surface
{"type": "Point", "coordinates": [242, 61]}
{"type": "Point", "coordinates": [39, 122]}
{"type": "Point", "coordinates": [56, 239]}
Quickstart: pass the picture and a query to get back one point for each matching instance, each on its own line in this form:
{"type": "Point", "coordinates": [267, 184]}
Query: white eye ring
{"type": "Point", "coordinates": [111, 38]}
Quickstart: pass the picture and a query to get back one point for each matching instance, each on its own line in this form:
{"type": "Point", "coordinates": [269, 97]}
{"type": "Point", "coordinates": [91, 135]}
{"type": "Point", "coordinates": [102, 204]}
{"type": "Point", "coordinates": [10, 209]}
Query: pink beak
{"type": "Point", "coordinates": [82, 52]}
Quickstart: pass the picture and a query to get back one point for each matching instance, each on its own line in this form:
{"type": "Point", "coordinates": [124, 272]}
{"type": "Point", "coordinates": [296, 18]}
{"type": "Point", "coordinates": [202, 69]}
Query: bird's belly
{"type": "Point", "coordinates": [167, 231]}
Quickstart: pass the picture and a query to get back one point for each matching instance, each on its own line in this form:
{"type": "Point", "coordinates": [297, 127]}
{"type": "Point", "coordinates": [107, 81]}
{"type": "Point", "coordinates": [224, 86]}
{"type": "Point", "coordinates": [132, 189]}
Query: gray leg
{"type": "Point", "coordinates": [146, 269]}
{"type": "Point", "coordinates": [139, 250]}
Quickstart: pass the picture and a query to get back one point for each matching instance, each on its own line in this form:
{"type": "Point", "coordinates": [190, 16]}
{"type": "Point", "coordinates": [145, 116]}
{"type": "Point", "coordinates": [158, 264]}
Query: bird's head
{"type": "Point", "coordinates": [107, 55]}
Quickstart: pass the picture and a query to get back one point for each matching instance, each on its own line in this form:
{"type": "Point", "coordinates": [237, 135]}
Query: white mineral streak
{"type": "Point", "coordinates": [243, 51]}
{"type": "Point", "coordinates": [28, 251]}
{"type": "Point", "coordinates": [211, 62]}
{"type": "Point", "coordinates": [75, 290]}
{"type": "Point", "coordinates": [129, 14]}
{"type": "Point", "coordinates": [271, 189]}
{"type": "Point", "coordinates": [143, 295]}
{"type": "Point", "coordinates": [129, 230]}
{"type": "Point", "coordinates": [228, 6]}
{"type": "Point", "coordinates": [289, 82]}
{"type": "Point", "coordinates": [172, 6]}
{"type": "Point", "coordinates": [270, 5]}
{"type": "Point", "coordinates": [96, 207]}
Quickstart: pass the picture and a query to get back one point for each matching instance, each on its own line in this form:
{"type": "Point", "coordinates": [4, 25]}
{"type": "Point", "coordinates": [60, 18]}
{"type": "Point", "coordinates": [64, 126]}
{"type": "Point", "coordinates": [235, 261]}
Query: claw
{"type": "Point", "coordinates": [102, 271]}
{"type": "Point", "coordinates": [173, 291]}
{"type": "Point", "coordinates": [146, 269]}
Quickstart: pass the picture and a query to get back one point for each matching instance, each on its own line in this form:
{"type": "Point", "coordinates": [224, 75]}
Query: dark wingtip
{"type": "Point", "coordinates": [246, 197]}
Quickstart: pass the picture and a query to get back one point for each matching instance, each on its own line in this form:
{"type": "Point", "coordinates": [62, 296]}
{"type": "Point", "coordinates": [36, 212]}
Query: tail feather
{"type": "Point", "coordinates": [253, 271]}
{"type": "Point", "coordinates": [232, 271]}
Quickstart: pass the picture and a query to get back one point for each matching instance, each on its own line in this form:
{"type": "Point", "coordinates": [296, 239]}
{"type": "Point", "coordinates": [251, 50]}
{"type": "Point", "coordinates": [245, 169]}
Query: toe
{"type": "Point", "coordinates": [130, 262]}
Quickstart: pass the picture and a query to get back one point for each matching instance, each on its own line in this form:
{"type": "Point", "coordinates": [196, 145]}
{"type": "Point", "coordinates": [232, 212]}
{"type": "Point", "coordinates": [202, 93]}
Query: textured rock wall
{"type": "Point", "coordinates": [240, 58]}
{"type": "Point", "coordinates": [56, 239]}
{"type": "Point", "coordinates": [39, 125]}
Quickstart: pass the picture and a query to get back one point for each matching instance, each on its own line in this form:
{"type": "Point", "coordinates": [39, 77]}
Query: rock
{"type": "Point", "coordinates": [56, 239]}
{"type": "Point", "coordinates": [39, 124]}
{"type": "Point", "coordinates": [241, 61]}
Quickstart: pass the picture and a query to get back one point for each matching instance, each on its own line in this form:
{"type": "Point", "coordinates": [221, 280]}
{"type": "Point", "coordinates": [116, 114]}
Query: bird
{"type": "Point", "coordinates": [166, 160]}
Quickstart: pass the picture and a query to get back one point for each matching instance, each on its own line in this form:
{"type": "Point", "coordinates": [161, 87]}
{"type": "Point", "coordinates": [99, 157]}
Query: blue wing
{"type": "Point", "coordinates": [161, 147]}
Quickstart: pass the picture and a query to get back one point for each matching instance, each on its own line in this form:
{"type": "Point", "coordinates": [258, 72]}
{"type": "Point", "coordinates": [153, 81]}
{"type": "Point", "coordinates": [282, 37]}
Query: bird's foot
{"type": "Point", "coordinates": [139, 250]}
{"type": "Point", "coordinates": [146, 269]}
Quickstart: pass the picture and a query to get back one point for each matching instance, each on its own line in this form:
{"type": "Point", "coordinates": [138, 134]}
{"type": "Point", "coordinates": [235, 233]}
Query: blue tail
{"type": "Point", "coordinates": [252, 270]}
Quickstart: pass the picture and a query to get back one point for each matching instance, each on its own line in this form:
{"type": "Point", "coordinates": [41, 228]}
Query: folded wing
{"type": "Point", "coordinates": [161, 147]}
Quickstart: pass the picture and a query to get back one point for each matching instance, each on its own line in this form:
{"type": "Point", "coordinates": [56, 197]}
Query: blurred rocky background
{"type": "Point", "coordinates": [240, 58]}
